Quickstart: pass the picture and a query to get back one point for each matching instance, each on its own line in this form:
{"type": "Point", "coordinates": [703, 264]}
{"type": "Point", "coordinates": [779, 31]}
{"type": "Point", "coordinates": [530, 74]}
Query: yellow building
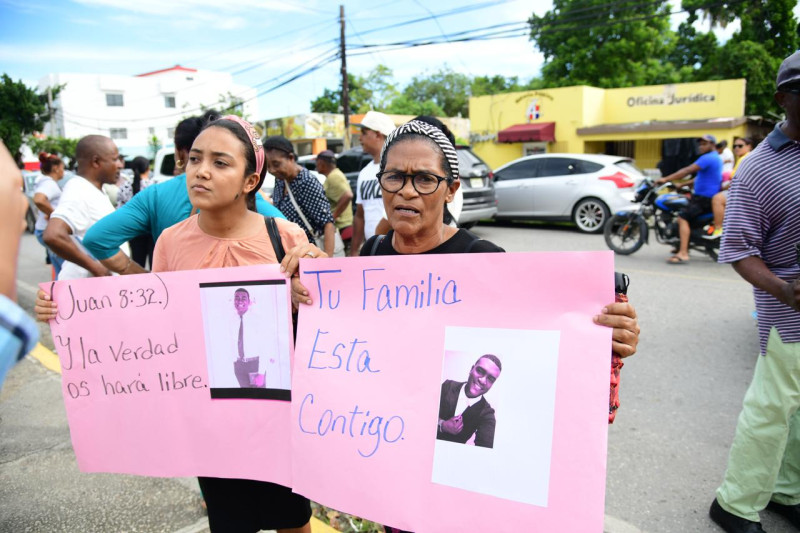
{"type": "Point", "coordinates": [631, 122]}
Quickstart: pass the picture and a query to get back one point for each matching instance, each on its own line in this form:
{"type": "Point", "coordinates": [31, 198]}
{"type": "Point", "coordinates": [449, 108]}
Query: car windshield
{"type": "Point", "coordinates": [467, 160]}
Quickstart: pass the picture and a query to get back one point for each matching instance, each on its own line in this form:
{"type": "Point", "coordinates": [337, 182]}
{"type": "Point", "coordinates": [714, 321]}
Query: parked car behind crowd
{"type": "Point", "coordinates": [582, 188]}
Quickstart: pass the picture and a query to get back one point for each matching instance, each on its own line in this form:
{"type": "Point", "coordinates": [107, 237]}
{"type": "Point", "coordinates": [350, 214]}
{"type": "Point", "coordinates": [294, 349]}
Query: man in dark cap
{"type": "Point", "coordinates": [83, 203]}
{"type": "Point", "coordinates": [762, 230]}
{"type": "Point", "coordinates": [339, 194]}
{"type": "Point", "coordinates": [707, 182]}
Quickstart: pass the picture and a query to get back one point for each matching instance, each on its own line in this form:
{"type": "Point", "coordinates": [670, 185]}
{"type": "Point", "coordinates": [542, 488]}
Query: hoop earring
{"type": "Point", "coordinates": [179, 163]}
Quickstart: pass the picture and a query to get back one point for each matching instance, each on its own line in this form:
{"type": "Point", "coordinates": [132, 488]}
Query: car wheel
{"type": "Point", "coordinates": [30, 221]}
{"type": "Point", "coordinates": [590, 215]}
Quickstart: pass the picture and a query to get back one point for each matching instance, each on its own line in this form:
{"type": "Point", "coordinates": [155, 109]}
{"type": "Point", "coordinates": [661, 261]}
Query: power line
{"type": "Point", "coordinates": [259, 41]}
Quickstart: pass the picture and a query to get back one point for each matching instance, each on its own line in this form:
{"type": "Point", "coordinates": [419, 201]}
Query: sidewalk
{"type": "Point", "coordinates": [41, 487]}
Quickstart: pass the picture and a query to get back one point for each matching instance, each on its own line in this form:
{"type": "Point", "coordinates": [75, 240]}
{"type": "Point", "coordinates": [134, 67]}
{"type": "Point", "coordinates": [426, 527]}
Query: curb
{"type": "Point", "coordinates": [48, 359]}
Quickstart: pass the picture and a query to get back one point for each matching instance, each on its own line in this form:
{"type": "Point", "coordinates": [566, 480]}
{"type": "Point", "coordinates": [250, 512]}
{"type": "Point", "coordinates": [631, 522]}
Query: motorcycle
{"type": "Point", "coordinates": [629, 228]}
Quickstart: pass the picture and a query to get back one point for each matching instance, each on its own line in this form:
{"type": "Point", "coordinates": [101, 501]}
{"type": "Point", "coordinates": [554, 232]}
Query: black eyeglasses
{"type": "Point", "coordinates": [738, 146]}
{"type": "Point", "coordinates": [423, 182]}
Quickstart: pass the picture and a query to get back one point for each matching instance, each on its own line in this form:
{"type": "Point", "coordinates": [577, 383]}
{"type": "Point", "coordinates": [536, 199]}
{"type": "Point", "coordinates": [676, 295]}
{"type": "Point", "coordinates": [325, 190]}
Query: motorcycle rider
{"type": "Point", "coordinates": [708, 170]}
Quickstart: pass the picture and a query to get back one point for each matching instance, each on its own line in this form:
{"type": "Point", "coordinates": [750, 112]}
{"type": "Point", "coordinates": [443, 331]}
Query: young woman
{"type": "Point", "coordinates": [225, 169]}
{"type": "Point", "coordinates": [45, 196]}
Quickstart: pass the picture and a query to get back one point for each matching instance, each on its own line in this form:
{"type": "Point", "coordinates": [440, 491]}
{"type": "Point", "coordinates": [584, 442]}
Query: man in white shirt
{"type": "Point", "coordinates": [83, 203]}
{"type": "Point", "coordinates": [375, 127]}
{"type": "Point", "coordinates": [463, 411]}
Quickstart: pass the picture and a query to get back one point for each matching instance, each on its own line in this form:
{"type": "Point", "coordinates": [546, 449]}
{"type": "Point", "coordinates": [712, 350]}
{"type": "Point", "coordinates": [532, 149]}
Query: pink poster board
{"type": "Point", "coordinates": [378, 352]}
{"type": "Point", "coordinates": [135, 373]}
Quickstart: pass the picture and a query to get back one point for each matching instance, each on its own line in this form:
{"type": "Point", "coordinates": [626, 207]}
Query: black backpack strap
{"type": "Point", "coordinates": [472, 243]}
{"type": "Point", "coordinates": [275, 238]}
{"type": "Point", "coordinates": [377, 242]}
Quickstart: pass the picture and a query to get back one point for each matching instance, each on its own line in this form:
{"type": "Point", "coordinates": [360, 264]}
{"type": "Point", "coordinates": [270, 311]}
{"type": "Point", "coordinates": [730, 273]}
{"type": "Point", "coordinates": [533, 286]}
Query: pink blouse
{"type": "Point", "coordinates": [185, 246]}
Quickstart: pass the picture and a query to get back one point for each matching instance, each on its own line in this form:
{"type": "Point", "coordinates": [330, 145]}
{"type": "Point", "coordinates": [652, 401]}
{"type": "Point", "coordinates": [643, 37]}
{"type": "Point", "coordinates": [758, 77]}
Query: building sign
{"type": "Point", "coordinates": [533, 110]}
{"type": "Point", "coordinates": [668, 97]}
{"type": "Point", "coordinates": [310, 126]}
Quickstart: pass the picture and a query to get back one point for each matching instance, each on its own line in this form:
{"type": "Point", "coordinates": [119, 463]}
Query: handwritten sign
{"type": "Point", "coordinates": [387, 357]}
{"type": "Point", "coordinates": [419, 384]}
{"type": "Point", "coordinates": [135, 371]}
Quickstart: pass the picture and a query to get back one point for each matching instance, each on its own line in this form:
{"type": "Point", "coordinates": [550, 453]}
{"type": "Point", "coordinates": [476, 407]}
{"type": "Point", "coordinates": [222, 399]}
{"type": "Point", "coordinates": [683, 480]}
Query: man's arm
{"type": "Point", "coordinates": [682, 173]}
{"type": "Point", "coordinates": [358, 231]}
{"type": "Point", "coordinates": [330, 243]}
{"type": "Point", "coordinates": [133, 219]}
{"type": "Point", "coordinates": [341, 205]}
{"type": "Point", "coordinates": [57, 237]}
{"type": "Point", "coordinates": [122, 264]}
{"type": "Point", "coordinates": [755, 271]}
{"type": "Point", "coordinates": [383, 227]}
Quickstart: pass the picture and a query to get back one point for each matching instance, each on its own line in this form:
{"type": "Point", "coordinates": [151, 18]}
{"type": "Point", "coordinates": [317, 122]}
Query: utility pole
{"type": "Point", "coordinates": [345, 88]}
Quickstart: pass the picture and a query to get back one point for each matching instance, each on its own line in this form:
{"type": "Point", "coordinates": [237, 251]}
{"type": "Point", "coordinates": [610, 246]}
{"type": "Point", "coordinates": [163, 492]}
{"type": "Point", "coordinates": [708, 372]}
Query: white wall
{"type": "Point", "coordinates": [82, 109]}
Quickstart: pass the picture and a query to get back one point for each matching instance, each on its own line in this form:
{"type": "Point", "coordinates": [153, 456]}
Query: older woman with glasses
{"type": "Point", "coordinates": [419, 175]}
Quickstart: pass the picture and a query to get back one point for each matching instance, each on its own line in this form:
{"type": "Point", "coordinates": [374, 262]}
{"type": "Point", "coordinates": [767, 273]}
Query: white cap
{"type": "Point", "coordinates": [377, 121]}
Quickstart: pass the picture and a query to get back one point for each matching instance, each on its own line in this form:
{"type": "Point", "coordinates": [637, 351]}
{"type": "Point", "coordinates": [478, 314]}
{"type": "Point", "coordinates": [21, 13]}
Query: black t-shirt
{"type": "Point", "coordinates": [462, 242]}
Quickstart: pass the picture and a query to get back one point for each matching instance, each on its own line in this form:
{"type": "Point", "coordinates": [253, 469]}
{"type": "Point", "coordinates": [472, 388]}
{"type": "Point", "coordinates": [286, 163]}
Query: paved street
{"type": "Point", "coordinates": [680, 398]}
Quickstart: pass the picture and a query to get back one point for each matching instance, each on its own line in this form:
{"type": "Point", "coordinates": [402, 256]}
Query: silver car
{"type": "Point", "coordinates": [582, 188]}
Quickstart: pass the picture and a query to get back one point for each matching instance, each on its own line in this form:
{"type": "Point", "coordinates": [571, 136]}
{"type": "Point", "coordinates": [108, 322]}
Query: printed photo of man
{"type": "Point", "coordinates": [463, 410]}
{"type": "Point", "coordinates": [245, 368]}
{"type": "Point", "coordinates": [247, 329]}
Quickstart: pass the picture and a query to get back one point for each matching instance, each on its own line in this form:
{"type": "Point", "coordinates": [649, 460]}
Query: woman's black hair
{"type": "Point", "coordinates": [188, 129]}
{"type": "Point", "coordinates": [47, 162]}
{"type": "Point", "coordinates": [249, 155]}
{"type": "Point", "coordinates": [139, 165]}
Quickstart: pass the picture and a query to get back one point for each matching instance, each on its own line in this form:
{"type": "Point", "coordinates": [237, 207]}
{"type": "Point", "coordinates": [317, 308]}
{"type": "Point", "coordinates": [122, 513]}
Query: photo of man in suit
{"type": "Point", "coordinates": [245, 368]}
{"type": "Point", "coordinates": [463, 411]}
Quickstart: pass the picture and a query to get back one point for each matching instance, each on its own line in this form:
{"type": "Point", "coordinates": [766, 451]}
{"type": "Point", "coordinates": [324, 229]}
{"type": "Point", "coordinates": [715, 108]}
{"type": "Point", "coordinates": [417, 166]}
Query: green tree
{"type": "Point", "coordinates": [604, 44]}
{"type": "Point", "coordinates": [403, 105]}
{"type": "Point", "coordinates": [768, 33]}
{"type": "Point", "coordinates": [63, 146]}
{"type": "Point", "coordinates": [446, 88]}
{"type": "Point", "coordinates": [483, 85]}
{"type": "Point", "coordinates": [228, 104]}
{"type": "Point", "coordinates": [154, 144]}
{"type": "Point", "coordinates": [375, 91]}
{"type": "Point", "coordinates": [381, 87]}
{"type": "Point", "coordinates": [22, 111]}
{"type": "Point", "coordinates": [329, 102]}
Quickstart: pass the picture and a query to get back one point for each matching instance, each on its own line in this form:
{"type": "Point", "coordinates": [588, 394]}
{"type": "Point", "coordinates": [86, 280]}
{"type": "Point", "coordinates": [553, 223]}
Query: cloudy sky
{"type": "Point", "coordinates": [264, 42]}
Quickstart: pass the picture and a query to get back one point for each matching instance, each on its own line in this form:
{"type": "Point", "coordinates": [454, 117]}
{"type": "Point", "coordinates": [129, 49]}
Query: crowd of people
{"type": "Point", "coordinates": [212, 216]}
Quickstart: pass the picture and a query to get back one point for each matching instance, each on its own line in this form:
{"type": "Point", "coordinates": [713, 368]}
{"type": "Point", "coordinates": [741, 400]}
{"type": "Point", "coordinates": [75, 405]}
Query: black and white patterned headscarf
{"type": "Point", "coordinates": [429, 131]}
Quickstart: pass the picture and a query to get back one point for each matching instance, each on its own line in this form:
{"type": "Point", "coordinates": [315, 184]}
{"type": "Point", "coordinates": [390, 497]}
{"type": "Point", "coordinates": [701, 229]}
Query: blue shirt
{"type": "Point", "coordinates": [153, 210]}
{"type": "Point", "coordinates": [762, 219]}
{"type": "Point", "coordinates": [18, 335]}
{"type": "Point", "coordinates": [709, 177]}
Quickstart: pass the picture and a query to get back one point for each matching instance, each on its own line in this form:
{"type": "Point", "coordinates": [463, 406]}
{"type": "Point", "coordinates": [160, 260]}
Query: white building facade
{"type": "Point", "coordinates": [132, 109]}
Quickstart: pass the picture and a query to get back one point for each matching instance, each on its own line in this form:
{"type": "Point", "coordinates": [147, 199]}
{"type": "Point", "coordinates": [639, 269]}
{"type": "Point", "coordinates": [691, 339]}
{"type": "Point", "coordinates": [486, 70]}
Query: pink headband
{"type": "Point", "coordinates": [254, 138]}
